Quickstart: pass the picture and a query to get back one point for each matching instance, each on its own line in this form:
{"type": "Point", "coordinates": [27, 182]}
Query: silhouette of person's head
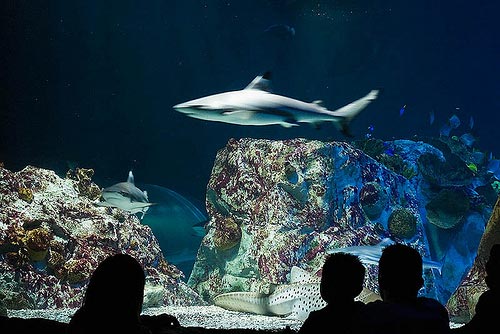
{"type": "Point", "coordinates": [492, 278]}
{"type": "Point", "coordinates": [342, 277]}
{"type": "Point", "coordinates": [114, 295]}
{"type": "Point", "coordinates": [399, 273]}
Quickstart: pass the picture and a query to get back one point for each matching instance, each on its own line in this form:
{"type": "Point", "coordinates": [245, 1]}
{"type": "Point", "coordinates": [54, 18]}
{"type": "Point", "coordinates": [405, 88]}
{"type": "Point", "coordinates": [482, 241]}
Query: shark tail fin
{"type": "Point", "coordinates": [351, 110]}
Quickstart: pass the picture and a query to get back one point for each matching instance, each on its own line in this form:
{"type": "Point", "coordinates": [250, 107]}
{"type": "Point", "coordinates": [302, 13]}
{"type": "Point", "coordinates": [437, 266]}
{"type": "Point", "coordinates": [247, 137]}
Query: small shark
{"type": "Point", "coordinates": [295, 300]}
{"type": "Point", "coordinates": [372, 254]}
{"type": "Point", "coordinates": [256, 105]}
{"type": "Point", "coordinates": [126, 196]}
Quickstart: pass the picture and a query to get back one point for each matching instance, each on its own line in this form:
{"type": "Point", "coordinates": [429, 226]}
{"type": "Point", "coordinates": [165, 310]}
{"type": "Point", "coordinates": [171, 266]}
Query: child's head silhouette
{"type": "Point", "coordinates": [342, 277]}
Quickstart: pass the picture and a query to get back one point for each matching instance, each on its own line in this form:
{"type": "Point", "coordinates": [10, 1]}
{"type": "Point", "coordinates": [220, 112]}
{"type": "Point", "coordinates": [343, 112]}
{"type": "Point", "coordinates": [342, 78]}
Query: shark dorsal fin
{"type": "Point", "coordinates": [318, 102]}
{"type": "Point", "coordinates": [130, 178]}
{"type": "Point", "coordinates": [261, 82]}
{"type": "Point", "coordinates": [299, 275]}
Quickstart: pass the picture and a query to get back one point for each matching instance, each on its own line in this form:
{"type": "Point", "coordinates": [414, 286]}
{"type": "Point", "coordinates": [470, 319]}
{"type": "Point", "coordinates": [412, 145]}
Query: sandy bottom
{"type": "Point", "coordinates": [192, 316]}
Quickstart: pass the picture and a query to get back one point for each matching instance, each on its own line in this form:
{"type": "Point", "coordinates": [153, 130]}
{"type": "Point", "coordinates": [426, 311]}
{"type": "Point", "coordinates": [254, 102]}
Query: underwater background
{"type": "Point", "coordinates": [92, 84]}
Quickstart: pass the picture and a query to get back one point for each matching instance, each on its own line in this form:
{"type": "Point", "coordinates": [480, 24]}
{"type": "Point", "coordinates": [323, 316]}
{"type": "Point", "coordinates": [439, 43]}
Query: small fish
{"type": "Point", "coordinates": [454, 122]}
{"type": "Point", "coordinates": [431, 117]}
{"type": "Point", "coordinates": [493, 166]}
{"type": "Point", "coordinates": [471, 122]}
{"type": "Point", "coordinates": [402, 110]}
{"type": "Point", "coordinates": [467, 139]}
{"type": "Point", "coordinates": [126, 196]}
{"type": "Point", "coordinates": [389, 149]}
{"type": "Point", "coordinates": [370, 129]}
{"type": "Point", "coordinates": [445, 130]}
{"type": "Point", "coordinates": [472, 166]}
{"type": "Point", "coordinates": [477, 157]}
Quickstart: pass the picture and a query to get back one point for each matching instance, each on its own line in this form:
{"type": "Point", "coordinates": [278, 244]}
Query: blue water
{"type": "Point", "coordinates": [92, 83]}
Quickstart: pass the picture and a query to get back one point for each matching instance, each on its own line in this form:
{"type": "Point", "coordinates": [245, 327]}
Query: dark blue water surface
{"type": "Point", "coordinates": [92, 83]}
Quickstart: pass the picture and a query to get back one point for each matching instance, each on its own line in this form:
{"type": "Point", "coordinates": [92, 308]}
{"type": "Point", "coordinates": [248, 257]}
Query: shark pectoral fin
{"type": "Point", "coordinates": [367, 296]}
{"type": "Point", "coordinates": [105, 204]}
{"type": "Point", "coordinates": [288, 123]}
{"type": "Point", "coordinates": [240, 114]}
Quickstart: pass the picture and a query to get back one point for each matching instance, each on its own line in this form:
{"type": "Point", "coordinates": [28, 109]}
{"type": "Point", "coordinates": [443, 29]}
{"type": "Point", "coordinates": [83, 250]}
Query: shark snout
{"type": "Point", "coordinates": [189, 108]}
{"type": "Point", "coordinates": [181, 107]}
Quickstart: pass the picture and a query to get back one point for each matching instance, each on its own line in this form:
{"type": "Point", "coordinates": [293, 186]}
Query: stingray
{"type": "Point", "coordinates": [177, 223]}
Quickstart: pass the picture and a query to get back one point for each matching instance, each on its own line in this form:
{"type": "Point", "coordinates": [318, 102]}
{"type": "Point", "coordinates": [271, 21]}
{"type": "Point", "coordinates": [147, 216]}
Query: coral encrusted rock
{"type": "Point", "coordinates": [462, 303]}
{"type": "Point", "coordinates": [402, 223]}
{"type": "Point", "coordinates": [273, 205]}
{"type": "Point", "coordinates": [50, 245]}
{"type": "Point", "coordinates": [278, 204]}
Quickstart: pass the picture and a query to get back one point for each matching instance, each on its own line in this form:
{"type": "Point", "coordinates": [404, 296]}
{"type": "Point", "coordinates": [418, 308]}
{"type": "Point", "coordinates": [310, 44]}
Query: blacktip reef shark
{"type": "Point", "coordinates": [294, 300]}
{"type": "Point", "coordinates": [126, 196]}
{"type": "Point", "coordinates": [371, 254]}
{"type": "Point", "coordinates": [256, 105]}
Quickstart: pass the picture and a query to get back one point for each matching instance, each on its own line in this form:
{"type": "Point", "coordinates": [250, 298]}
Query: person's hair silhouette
{"type": "Point", "coordinates": [485, 319]}
{"type": "Point", "coordinates": [342, 280]}
{"type": "Point", "coordinates": [113, 299]}
{"type": "Point", "coordinates": [399, 273]}
{"type": "Point", "coordinates": [401, 310]}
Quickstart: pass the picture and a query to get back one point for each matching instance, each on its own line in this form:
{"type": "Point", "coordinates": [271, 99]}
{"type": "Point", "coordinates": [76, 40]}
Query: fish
{"type": "Point", "coordinates": [294, 300]}
{"type": "Point", "coordinates": [178, 223]}
{"type": "Point", "coordinates": [452, 123]}
{"type": "Point", "coordinates": [402, 110]}
{"type": "Point", "coordinates": [256, 105]}
{"type": "Point", "coordinates": [370, 129]}
{"type": "Point", "coordinates": [472, 166]}
{"type": "Point", "coordinates": [467, 139]}
{"type": "Point", "coordinates": [370, 254]}
{"type": "Point", "coordinates": [389, 149]}
{"type": "Point", "coordinates": [431, 117]}
{"type": "Point", "coordinates": [493, 167]}
{"type": "Point", "coordinates": [471, 122]}
{"type": "Point", "coordinates": [126, 196]}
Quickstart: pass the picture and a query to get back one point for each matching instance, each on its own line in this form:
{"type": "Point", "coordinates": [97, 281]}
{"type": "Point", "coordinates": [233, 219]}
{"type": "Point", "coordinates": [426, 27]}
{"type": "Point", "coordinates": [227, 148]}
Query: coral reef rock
{"type": "Point", "coordinates": [274, 205]}
{"type": "Point", "coordinates": [462, 303]}
{"type": "Point", "coordinates": [52, 240]}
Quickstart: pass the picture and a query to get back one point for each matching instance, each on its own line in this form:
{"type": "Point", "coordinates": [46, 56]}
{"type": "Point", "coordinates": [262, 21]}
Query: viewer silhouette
{"type": "Point", "coordinates": [341, 281]}
{"type": "Point", "coordinates": [401, 310]}
{"type": "Point", "coordinates": [113, 300]}
{"type": "Point", "coordinates": [485, 320]}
